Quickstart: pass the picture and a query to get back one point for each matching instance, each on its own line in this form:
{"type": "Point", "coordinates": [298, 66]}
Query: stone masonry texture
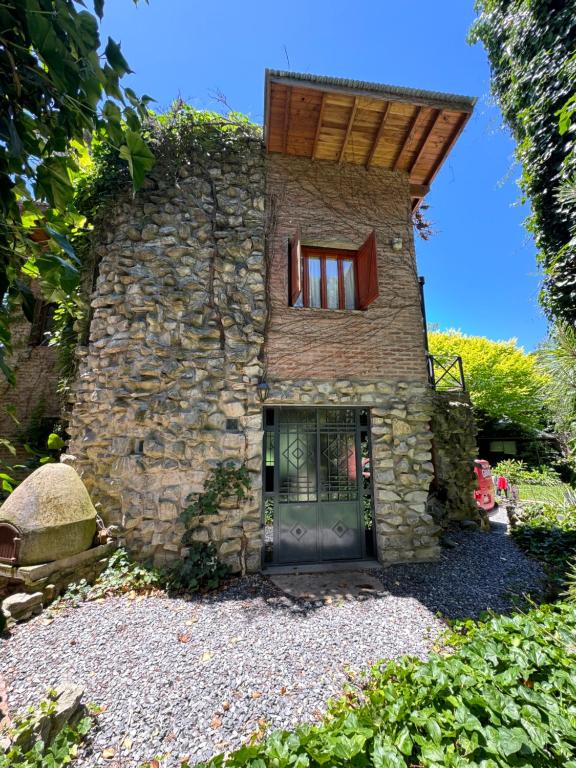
{"type": "Point", "coordinates": [373, 358]}
{"type": "Point", "coordinates": [175, 345]}
{"type": "Point", "coordinates": [191, 311]}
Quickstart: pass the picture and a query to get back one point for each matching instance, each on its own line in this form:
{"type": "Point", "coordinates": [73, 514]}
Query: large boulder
{"type": "Point", "coordinates": [54, 514]}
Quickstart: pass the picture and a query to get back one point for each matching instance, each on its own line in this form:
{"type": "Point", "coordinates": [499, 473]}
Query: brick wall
{"type": "Point", "coordinates": [343, 203]}
{"type": "Point", "coordinates": [36, 382]}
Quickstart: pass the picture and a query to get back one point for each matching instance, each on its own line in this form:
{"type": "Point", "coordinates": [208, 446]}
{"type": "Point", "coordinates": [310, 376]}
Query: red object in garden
{"type": "Point", "coordinates": [484, 492]}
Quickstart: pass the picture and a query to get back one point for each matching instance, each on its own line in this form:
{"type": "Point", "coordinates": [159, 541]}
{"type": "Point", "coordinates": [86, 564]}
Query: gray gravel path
{"type": "Point", "coordinates": [192, 677]}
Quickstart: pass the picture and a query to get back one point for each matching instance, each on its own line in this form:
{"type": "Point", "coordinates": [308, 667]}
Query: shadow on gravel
{"type": "Point", "coordinates": [477, 572]}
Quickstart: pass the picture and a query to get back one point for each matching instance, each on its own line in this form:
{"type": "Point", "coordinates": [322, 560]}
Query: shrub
{"type": "Point", "coordinates": [62, 751]}
{"type": "Point", "coordinates": [517, 472]}
{"type": "Point", "coordinates": [122, 575]}
{"type": "Point", "coordinates": [125, 575]}
{"type": "Point", "coordinates": [548, 533]}
{"type": "Point", "coordinates": [198, 569]}
{"type": "Point", "coordinates": [505, 697]}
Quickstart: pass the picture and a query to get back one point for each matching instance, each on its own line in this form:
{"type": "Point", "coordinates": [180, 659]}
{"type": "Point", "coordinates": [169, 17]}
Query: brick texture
{"type": "Point", "coordinates": [36, 387]}
{"type": "Point", "coordinates": [343, 203]}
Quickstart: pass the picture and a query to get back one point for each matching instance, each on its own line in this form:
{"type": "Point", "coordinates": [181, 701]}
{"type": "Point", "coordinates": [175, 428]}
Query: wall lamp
{"type": "Point", "coordinates": [263, 389]}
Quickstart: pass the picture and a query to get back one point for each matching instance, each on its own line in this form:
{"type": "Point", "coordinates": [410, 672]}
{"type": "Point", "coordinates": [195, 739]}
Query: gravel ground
{"type": "Point", "coordinates": [194, 677]}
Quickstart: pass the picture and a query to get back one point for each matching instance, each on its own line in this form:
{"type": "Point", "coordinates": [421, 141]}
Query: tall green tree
{"type": "Point", "coordinates": [557, 358]}
{"type": "Point", "coordinates": [58, 87]}
{"type": "Point", "coordinates": [504, 382]}
{"type": "Point", "coordinates": [531, 46]}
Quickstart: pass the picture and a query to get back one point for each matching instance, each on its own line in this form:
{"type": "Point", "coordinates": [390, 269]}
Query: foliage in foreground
{"type": "Point", "coordinates": [58, 85]}
{"type": "Point", "coordinates": [506, 697]}
{"type": "Point", "coordinates": [121, 575]}
{"type": "Point", "coordinates": [504, 382]}
{"type": "Point", "coordinates": [547, 532]}
{"type": "Point", "coordinates": [530, 45]}
{"type": "Point", "coordinates": [558, 359]}
{"type": "Point", "coordinates": [198, 570]}
{"type": "Point", "coordinates": [61, 752]}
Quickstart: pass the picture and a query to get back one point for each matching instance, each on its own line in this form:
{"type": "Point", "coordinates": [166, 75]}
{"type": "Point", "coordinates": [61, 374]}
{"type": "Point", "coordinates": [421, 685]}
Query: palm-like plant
{"type": "Point", "coordinates": [558, 358]}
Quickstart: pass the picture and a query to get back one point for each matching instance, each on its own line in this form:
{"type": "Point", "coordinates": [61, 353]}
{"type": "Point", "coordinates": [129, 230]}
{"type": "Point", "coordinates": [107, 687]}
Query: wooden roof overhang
{"type": "Point", "coordinates": [365, 124]}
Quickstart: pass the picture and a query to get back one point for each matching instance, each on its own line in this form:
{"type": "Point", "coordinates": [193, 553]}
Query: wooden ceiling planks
{"type": "Point", "coordinates": [347, 126]}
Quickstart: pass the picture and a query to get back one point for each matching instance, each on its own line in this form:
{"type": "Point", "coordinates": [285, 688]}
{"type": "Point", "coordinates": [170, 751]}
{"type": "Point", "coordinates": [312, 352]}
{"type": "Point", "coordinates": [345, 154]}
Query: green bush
{"type": "Point", "coordinates": [125, 575]}
{"type": "Point", "coordinates": [518, 473]}
{"type": "Point", "coordinates": [122, 575]}
{"type": "Point", "coordinates": [22, 753]}
{"type": "Point", "coordinates": [198, 569]}
{"type": "Point", "coordinates": [548, 533]}
{"type": "Point", "coordinates": [505, 697]}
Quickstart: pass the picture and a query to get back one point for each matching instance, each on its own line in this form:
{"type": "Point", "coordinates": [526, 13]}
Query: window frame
{"type": "Point", "coordinates": [323, 254]}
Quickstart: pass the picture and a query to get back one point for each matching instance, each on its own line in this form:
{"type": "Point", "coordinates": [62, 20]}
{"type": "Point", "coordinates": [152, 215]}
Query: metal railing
{"type": "Point", "coordinates": [445, 373]}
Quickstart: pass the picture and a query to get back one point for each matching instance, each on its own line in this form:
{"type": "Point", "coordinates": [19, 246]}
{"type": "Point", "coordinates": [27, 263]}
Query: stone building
{"type": "Point", "coordinates": [30, 410]}
{"type": "Point", "coordinates": [261, 305]}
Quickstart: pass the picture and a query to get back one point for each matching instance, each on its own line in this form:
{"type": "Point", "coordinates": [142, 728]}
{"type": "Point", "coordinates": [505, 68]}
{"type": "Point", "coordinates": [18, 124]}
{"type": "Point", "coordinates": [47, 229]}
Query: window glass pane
{"type": "Point", "coordinates": [332, 283]}
{"type": "Point", "coordinates": [349, 292]}
{"type": "Point", "coordinates": [314, 281]}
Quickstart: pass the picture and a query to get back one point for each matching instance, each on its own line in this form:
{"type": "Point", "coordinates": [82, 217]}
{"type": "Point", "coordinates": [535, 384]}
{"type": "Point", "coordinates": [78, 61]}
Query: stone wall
{"type": "Point", "coordinates": [373, 358]}
{"type": "Point", "coordinates": [402, 469]}
{"type": "Point", "coordinates": [190, 311]}
{"type": "Point", "coordinates": [454, 451]}
{"type": "Point", "coordinates": [167, 385]}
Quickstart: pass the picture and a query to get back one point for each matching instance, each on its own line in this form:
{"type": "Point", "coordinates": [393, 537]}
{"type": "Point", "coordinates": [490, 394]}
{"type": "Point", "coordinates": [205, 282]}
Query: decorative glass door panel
{"type": "Point", "coordinates": [314, 505]}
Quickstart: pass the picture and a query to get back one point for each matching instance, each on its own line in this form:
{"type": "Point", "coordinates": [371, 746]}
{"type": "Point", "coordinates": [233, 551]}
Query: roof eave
{"type": "Point", "coordinates": [437, 99]}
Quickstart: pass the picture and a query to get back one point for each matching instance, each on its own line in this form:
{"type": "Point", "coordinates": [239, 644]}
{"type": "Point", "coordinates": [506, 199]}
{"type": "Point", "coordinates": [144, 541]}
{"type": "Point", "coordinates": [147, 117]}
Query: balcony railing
{"type": "Point", "coordinates": [445, 373]}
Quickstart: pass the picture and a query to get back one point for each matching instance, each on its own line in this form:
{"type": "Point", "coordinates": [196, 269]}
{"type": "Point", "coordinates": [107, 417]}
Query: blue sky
{"type": "Point", "coordinates": [480, 268]}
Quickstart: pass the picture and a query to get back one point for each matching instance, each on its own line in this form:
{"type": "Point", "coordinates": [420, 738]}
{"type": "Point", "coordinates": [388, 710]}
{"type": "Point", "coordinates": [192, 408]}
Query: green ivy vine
{"type": "Point", "coordinates": [531, 46]}
{"type": "Point", "coordinates": [182, 137]}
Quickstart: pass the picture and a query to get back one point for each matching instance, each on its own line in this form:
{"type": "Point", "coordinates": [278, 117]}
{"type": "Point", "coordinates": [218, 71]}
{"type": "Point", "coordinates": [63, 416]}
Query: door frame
{"type": "Point", "coordinates": [362, 494]}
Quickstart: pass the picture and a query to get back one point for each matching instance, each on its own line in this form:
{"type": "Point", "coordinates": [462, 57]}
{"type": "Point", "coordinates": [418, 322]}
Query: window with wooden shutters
{"type": "Point", "coordinates": [367, 269]}
{"type": "Point", "coordinates": [326, 278]}
{"type": "Point", "coordinates": [296, 273]}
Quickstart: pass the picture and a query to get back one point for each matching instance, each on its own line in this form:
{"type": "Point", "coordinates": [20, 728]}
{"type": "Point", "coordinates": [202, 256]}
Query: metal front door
{"type": "Point", "coordinates": [317, 495]}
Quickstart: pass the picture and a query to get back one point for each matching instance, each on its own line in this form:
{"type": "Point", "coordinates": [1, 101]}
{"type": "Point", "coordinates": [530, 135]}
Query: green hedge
{"type": "Point", "coordinates": [505, 697]}
{"type": "Point", "coordinates": [548, 533]}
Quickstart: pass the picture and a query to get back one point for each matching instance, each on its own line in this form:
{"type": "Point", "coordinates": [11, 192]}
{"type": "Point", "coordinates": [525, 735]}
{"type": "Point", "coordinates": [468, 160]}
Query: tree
{"type": "Point", "coordinates": [57, 90]}
{"type": "Point", "coordinates": [531, 49]}
{"type": "Point", "coordinates": [504, 382]}
{"type": "Point", "coordinates": [557, 358]}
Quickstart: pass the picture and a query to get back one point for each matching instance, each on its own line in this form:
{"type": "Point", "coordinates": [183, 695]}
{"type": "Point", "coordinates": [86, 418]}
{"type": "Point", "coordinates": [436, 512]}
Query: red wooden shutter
{"type": "Point", "coordinates": [367, 271]}
{"type": "Point", "coordinates": [295, 269]}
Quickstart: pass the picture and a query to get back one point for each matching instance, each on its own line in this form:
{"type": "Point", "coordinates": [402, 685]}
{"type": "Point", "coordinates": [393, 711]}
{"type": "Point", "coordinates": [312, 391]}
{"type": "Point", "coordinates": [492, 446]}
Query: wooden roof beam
{"type": "Point", "coordinates": [349, 128]}
{"type": "Point", "coordinates": [318, 126]}
{"type": "Point", "coordinates": [419, 190]}
{"type": "Point", "coordinates": [379, 133]}
{"type": "Point", "coordinates": [287, 106]}
{"type": "Point", "coordinates": [407, 138]}
{"type": "Point", "coordinates": [424, 140]}
{"type": "Point", "coordinates": [457, 130]}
